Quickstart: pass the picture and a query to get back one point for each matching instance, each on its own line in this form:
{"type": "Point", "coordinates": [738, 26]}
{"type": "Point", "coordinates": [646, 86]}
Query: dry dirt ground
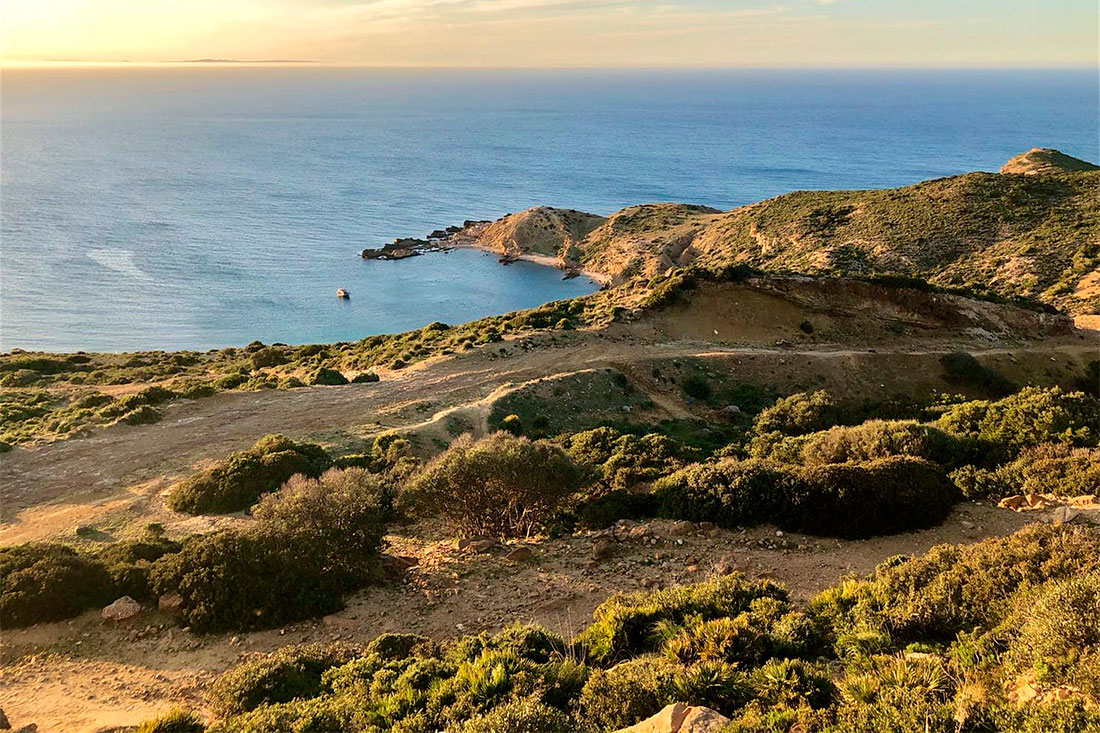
{"type": "Point", "coordinates": [84, 675]}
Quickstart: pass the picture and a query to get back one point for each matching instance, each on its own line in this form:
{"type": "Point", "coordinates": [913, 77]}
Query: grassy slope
{"type": "Point", "coordinates": [1036, 236]}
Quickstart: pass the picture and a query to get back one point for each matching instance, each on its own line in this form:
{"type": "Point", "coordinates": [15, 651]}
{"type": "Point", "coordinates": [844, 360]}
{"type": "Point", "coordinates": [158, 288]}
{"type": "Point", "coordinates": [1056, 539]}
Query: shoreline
{"type": "Point", "coordinates": [538, 259]}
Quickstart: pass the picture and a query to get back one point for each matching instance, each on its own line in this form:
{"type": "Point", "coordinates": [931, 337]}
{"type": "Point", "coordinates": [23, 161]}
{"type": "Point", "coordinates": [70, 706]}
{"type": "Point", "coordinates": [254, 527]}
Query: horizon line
{"type": "Point", "coordinates": [237, 63]}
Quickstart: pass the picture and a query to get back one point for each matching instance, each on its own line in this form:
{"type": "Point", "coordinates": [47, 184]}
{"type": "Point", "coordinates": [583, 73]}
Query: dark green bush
{"type": "Point", "coordinates": [697, 387]}
{"type": "Point", "coordinates": [238, 481]}
{"type": "Point", "coordinates": [314, 541]}
{"type": "Point", "coordinates": [799, 414]}
{"type": "Point", "coordinates": [626, 625]}
{"type": "Point", "coordinates": [961, 368]}
{"type": "Point", "coordinates": [501, 485]}
{"type": "Point", "coordinates": [522, 715]}
{"type": "Point", "coordinates": [882, 439]}
{"type": "Point", "coordinates": [1030, 417]}
{"type": "Point", "coordinates": [626, 693]}
{"type": "Point", "coordinates": [42, 582]}
{"type": "Point", "coordinates": [269, 356]}
{"type": "Point", "coordinates": [603, 510]}
{"type": "Point", "coordinates": [365, 378]}
{"type": "Point", "coordinates": [880, 497]}
{"type": "Point", "coordinates": [1052, 468]}
{"type": "Point", "coordinates": [729, 492]}
{"type": "Point", "coordinates": [326, 376]}
{"type": "Point", "coordinates": [290, 673]}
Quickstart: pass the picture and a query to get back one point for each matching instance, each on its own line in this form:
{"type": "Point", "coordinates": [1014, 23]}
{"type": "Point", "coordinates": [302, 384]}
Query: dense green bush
{"type": "Point", "coordinates": [728, 492]}
{"type": "Point", "coordinates": [290, 673]}
{"type": "Point", "coordinates": [238, 482]}
{"type": "Point", "coordinates": [879, 497]}
{"type": "Point", "coordinates": [799, 414]}
{"type": "Point", "coordinates": [626, 693]}
{"type": "Point", "coordinates": [325, 376]}
{"type": "Point", "coordinates": [45, 582]}
{"type": "Point", "coordinates": [521, 715]}
{"type": "Point", "coordinates": [626, 625]}
{"type": "Point", "coordinates": [882, 439]}
{"type": "Point", "coordinates": [1051, 468]}
{"type": "Point", "coordinates": [1030, 417]}
{"type": "Point", "coordinates": [502, 485]}
{"type": "Point", "coordinates": [314, 541]}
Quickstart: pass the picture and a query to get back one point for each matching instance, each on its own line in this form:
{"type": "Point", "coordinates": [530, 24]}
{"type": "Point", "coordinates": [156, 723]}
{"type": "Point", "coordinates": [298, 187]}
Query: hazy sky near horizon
{"type": "Point", "coordinates": [559, 33]}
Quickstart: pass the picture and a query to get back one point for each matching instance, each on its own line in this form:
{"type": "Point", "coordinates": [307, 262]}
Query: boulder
{"type": "Point", "coordinates": [122, 609]}
{"type": "Point", "coordinates": [170, 602]}
{"type": "Point", "coordinates": [680, 718]}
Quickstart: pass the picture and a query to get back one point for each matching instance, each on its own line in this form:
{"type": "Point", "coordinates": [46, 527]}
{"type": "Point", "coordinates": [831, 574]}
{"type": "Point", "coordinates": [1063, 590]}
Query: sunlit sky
{"type": "Point", "coordinates": [558, 33]}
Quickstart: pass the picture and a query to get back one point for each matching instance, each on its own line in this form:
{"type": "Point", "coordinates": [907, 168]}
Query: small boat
{"type": "Point", "coordinates": [341, 293]}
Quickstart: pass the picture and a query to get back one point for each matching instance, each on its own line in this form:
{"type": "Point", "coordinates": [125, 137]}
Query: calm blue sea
{"type": "Point", "coordinates": [203, 207]}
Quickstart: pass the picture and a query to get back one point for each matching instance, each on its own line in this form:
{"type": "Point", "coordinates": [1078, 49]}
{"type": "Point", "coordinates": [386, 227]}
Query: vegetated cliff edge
{"type": "Point", "coordinates": [1032, 231]}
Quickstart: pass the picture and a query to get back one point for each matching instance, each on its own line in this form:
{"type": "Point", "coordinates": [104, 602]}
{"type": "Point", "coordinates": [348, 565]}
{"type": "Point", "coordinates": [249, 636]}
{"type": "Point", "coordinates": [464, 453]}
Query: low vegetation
{"type": "Point", "coordinates": [940, 643]}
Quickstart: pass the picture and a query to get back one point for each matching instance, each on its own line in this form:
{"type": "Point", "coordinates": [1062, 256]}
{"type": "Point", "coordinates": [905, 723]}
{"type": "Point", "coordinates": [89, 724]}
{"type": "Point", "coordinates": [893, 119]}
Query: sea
{"type": "Point", "coordinates": [194, 207]}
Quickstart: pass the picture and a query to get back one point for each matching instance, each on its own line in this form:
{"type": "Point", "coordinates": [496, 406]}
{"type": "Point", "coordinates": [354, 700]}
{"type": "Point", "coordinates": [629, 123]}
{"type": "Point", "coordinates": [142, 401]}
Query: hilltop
{"type": "Point", "coordinates": [1034, 236]}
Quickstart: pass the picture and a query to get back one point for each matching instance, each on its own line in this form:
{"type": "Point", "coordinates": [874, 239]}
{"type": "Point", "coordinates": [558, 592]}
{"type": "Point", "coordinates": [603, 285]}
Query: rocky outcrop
{"type": "Point", "coordinates": [1038, 161]}
{"type": "Point", "coordinates": [681, 718]}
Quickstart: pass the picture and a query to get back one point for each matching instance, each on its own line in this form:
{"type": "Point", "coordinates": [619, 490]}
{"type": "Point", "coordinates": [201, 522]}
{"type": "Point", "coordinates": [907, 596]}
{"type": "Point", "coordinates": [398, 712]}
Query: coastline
{"type": "Point", "coordinates": [538, 259]}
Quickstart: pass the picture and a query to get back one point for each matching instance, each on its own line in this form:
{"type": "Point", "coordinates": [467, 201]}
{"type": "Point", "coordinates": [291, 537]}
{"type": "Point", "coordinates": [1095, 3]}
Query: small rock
{"type": "Point", "coordinates": [1015, 503]}
{"type": "Point", "coordinates": [170, 602]}
{"type": "Point", "coordinates": [122, 609]}
{"type": "Point", "coordinates": [1065, 515]}
{"type": "Point", "coordinates": [967, 525]}
{"type": "Point", "coordinates": [1083, 500]}
{"type": "Point", "coordinates": [724, 567]}
{"type": "Point", "coordinates": [602, 550]}
{"type": "Point", "coordinates": [681, 528]}
{"type": "Point", "coordinates": [778, 533]}
{"type": "Point", "coordinates": [480, 545]}
{"type": "Point", "coordinates": [4, 724]}
{"type": "Point", "coordinates": [520, 554]}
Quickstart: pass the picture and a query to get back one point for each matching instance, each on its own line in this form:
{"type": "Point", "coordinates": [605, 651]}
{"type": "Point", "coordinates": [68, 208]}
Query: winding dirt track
{"type": "Point", "coordinates": [206, 429]}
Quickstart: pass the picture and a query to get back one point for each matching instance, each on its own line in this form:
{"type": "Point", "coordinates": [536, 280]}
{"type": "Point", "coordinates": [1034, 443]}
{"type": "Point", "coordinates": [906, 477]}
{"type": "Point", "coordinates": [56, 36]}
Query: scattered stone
{"type": "Point", "coordinates": [520, 554]}
{"type": "Point", "coordinates": [1083, 500]}
{"type": "Point", "coordinates": [967, 525]}
{"type": "Point", "coordinates": [602, 550]}
{"type": "Point", "coordinates": [778, 533]}
{"type": "Point", "coordinates": [122, 609]}
{"type": "Point", "coordinates": [170, 602]}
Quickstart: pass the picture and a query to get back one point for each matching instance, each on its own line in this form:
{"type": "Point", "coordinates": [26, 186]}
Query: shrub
{"type": "Point", "coordinates": [326, 376]}
{"type": "Point", "coordinates": [290, 673]}
{"type": "Point", "coordinates": [881, 439]}
{"type": "Point", "coordinates": [603, 510]}
{"type": "Point", "coordinates": [697, 387]}
{"type": "Point", "coordinates": [512, 424]}
{"type": "Point", "coordinates": [174, 721]}
{"type": "Point", "coordinates": [1030, 417]}
{"type": "Point", "coordinates": [955, 588]}
{"type": "Point", "coordinates": [128, 563]}
{"type": "Point", "coordinates": [799, 414]}
{"type": "Point", "coordinates": [525, 715]}
{"type": "Point", "coordinates": [729, 492]}
{"type": "Point", "coordinates": [627, 624]}
{"type": "Point", "coordinates": [626, 693]}
{"type": "Point", "coordinates": [313, 542]}
{"type": "Point", "coordinates": [880, 497]}
{"type": "Point", "coordinates": [1045, 469]}
{"type": "Point", "coordinates": [365, 378]}
{"type": "Point", "coordinates": [501, 485]}
{"type": "Point", "coordinates": [963, 369]}
{"type": "Point", "coordinates": [269, 356]}
{"type": "Point", "coordinates": [42, 582]}
{"type": "Point", "coordinates": [237, 482]}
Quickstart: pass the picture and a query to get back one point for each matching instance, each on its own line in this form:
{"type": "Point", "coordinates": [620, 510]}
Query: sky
{"type": "Point", "coordinates": [559, 33]}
